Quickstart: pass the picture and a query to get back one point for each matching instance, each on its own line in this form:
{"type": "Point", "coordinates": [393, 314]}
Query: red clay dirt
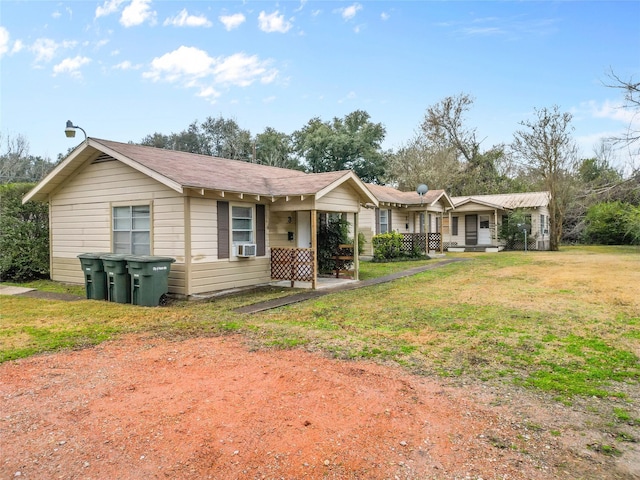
{"type": "Point", "coordinates": [212, 408]}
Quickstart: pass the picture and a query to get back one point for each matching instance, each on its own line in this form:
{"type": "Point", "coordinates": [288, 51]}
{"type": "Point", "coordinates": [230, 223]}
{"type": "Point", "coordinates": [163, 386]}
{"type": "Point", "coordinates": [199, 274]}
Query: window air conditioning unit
{"type": "Point", "coordinates": [247, 250]}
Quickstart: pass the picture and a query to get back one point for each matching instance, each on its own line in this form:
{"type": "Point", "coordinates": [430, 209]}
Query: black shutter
{"type": "Point", "coordinates": [261, 243]}
{"type": "Point", "coordinates": [377, 221]}
{"type": "Point", "coordinates": [389, 222]}
{"type": "Point", "coordinates": [223, 229]}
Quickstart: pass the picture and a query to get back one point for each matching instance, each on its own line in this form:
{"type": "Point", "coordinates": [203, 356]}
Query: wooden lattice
{"type": "Point", "coordinates": [412, 242]}
{"type": "Point", "coordinates": [295, 264]}
{"type": "Point", "coordinates": [434, 241]}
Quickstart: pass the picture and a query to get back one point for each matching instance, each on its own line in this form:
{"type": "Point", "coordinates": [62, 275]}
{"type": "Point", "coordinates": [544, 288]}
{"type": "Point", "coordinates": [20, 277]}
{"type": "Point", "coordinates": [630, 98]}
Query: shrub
{"type": "Point", "coordinates": [24, 235]}
{"type": "Point", "coordinates": [331, 234]}
{"type": "Point", "coordinates": [612, 223]}
{"type": "Point", "coordinates": [387, 246]}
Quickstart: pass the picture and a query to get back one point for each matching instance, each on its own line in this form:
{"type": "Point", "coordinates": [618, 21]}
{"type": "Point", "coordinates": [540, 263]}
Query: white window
{"type": "Point", "coordinates": [384, 221]}
{"type": "Point", "coordinates": [241, 225]}
{"type": "Point", "coordinates": [131, 230]}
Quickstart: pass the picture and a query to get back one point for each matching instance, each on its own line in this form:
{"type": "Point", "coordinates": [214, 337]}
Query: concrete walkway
{"type": "Point", "coordinates": [301, 297]}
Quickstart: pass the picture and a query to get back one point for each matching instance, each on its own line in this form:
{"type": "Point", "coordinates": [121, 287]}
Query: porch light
{"type": "Point", "coordinates": [70, 131]}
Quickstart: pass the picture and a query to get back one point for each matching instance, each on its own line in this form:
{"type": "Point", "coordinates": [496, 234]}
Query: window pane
{"type": "Point", "coordinates": [242, 212]}
{"type": "Point", "coordinates": [141, 245]}
{"type": "Point", "coordinates": [122, 224]}
{"type": "Point", "coordinates": [121, 242]}
{"type": "Point", "coordinates": [141, 223]}
{"type": "Point", "coordinates": [242, 224]}
{"type": "Point", "coordinates": [242, 236]}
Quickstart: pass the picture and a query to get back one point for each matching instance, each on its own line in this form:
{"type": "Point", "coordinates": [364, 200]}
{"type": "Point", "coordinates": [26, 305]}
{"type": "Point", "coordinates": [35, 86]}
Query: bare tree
{"type": "Point", "coordinates": [631, 92]}
{"type": "Point", "coordinates": [547, 147]}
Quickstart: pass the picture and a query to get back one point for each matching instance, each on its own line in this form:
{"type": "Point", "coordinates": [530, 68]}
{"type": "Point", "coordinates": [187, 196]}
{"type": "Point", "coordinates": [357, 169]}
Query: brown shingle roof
{"type": "Point", "coordinates": [391, 195]}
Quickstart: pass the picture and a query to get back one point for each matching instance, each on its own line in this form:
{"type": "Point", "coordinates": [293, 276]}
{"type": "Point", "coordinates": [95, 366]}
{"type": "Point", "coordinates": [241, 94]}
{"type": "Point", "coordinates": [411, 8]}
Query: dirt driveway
{"type": "Point", "coordinates": [146, 407]}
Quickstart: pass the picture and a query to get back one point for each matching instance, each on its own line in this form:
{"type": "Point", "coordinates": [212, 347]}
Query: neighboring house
{"type": "Point", "coordinates": [474, 222]}
{"type": "Point", "coordinates": [227, 223]}
{"type": "Point", "coordinates": [418, 218]}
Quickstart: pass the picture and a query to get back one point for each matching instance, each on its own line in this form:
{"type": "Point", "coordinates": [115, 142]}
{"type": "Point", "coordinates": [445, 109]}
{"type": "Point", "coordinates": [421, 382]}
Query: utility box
{"type": "Point", "coordinates": [118, 279]}
{"type": "Point", "coordinates": [95, 278]}
{"type": "Point", "coordinates": [149, 279]}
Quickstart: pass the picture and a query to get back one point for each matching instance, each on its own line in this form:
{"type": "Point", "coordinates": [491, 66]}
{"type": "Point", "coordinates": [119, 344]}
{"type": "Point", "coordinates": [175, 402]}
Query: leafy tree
{"type": "Point", "coordinates": [275, 149]}
{"type": "Point", "coordinates": [547, 148]}
{"type": "Point", "coordinates": [350, 143]}
{"type": "Point", "coordinates": [224, 138]}
{"type": "Point", "coordinates": [512, 231]}
{"type": "Point", "coordinates": [24, 235]}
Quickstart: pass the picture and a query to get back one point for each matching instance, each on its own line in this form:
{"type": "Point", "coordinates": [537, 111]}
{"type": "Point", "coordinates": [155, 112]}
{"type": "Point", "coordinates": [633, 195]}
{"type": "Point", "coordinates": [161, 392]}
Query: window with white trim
{"type": "Point", "coordinates": [131, 230]}
{"type": "Point", "coordinates": [241, 225]}
{"type": "Point", "coordinates": [384, 221]}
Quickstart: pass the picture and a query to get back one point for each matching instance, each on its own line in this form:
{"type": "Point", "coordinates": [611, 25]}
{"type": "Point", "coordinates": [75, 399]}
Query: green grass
{"type": "Point", "coordinates": [564, 322]}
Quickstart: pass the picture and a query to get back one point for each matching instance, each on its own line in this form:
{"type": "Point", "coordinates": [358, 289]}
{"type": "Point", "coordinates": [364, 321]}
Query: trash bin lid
{"type": "Point", "coordinates": [148, 259]}
{"type": "Point", "coordinates": [114, 256]}
{"type": "Point", "coordinates": [92, 256]}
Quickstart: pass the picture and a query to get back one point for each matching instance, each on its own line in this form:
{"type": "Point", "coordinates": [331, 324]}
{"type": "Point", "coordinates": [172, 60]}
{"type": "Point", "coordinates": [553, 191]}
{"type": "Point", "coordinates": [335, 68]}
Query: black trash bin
{"type": "Point", "coordinates": [95, 278]}
{"type": "Point", "coordinates": [118, 279]}
{"type": "Point", "coordinates": [149, 279]}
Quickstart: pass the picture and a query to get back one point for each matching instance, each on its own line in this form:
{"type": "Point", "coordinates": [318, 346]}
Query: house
{"type": "Point", "coordinates": [227, 223]}
{"type": "Point", "coordinates": [418, 217]}
{"type": "Point", "coordinates": [474, 222]}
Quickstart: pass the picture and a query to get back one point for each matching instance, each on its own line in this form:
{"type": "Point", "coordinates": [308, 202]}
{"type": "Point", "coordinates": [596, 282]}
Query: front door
{"type": "Point", "coordinates": [303, 230]}
{"type": "Point", "coordinates": [471, 229]}
{"type": "Point", "coordinates": [484, 232]}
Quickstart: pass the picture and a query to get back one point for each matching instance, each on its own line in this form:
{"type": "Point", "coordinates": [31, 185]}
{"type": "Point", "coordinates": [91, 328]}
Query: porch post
{"type": "Point", "coordinates": [314, 247]}
{"type": "Point", "coordinates": [450, 227]}
{"type": "Point", "coordinates": [356, 253]}
{"type": "Point", "coordinates": [442, 232]}
{"type": "Point", "coordinates": [495, 222]}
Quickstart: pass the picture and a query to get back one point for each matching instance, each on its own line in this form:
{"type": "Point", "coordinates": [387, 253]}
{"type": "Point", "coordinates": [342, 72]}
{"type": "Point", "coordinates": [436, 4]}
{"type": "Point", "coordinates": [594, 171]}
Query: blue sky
{"type": "Point", "coordinates": [122, 69]}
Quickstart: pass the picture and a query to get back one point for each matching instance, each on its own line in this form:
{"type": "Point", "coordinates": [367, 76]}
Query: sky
{"type": "Point", "coordinates": [124, 69]}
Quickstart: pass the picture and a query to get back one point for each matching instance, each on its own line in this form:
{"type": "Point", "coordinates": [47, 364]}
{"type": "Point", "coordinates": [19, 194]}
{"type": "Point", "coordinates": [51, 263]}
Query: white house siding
{"type": "Point", "coordinates": [341, 199]}
{"type": "Point", "coordinates": [80, 213]}
{"type": "Point", "coordinates": [226, 274]}
{"type": "Point", "coordinates": [207, 272]}
{"type": "Point", "coordinates": [366, 226]}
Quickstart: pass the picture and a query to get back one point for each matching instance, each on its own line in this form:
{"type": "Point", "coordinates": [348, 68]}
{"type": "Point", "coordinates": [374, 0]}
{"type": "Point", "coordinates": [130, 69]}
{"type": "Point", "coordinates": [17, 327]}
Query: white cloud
{"type": "Point", "coordinates": [136, 13]}
{"type": "Point", "coordinates": [273, 22]}
{"type": "Point", "coordinates": [183, 19]}
{"type": "Point", "coordinates": [44, 49]}
{"type": "Point", "coordinates": [56, 14]}
{"type": "Point", "coordinates": [242, 70]}
{"type": "Point", "coordinates": [384, 16]}
{"type": "Point", "coordinates": [71, 66]}
{"type": "Point", "coordinates": [232, 21]}
{"type": "Point", "coordinates": [184, 64]}
{"type": "Point", "coordinates": [108, 7]}
{"type": "Point", "coordinates": [126, 65]}
{"type": "Point", "coordinates": [349, 12]}
{"type": "Point", "coordinates": [17, 46]}
{"type": "Point", "coordinates": [191, 67]}
{"type": "Point", "coordinates": [4, 41]}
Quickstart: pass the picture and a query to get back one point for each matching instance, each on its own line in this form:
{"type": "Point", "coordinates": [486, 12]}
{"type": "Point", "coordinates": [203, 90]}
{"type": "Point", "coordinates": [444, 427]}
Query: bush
{"type": "Point", "coordinates": [330, 236]}
{"type": "Point", "coordinates": [387, 246]}
{"type": "Point", "coordinates": [613, 223]}
{"type": "Point", "coordinates": [24, 235]}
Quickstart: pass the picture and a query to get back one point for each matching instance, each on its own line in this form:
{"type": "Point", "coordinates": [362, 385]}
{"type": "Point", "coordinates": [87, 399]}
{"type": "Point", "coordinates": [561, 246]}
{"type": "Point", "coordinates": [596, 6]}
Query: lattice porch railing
{"type": "Point", "coordinates": [294, 264]}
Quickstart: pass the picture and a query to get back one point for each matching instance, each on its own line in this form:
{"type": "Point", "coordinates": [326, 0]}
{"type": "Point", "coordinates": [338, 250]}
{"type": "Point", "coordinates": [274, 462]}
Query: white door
{"type": "Point", "coordinates": [484, 230]}
{"type": "Point", "coordinates": [304, 230]}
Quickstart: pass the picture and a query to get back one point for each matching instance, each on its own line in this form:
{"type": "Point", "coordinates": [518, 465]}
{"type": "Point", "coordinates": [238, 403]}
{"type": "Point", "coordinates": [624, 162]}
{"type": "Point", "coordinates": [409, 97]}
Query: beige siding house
{"type": "Point", "coordinates": [418, 218]}
{"type": "Point", "coordinates": [227, 223]}
{"type": "Point", "coordinates": [474, 222]}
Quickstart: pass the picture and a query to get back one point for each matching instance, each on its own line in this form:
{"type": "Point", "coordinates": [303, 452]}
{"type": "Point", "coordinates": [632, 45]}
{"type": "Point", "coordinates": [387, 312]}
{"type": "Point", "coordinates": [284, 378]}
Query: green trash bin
{"type": "Point", "coordinates": [149, 279]}
{"type": "Point", "coordinates": [95, 278]}
{"type": "Point", "coordinates": [118, 280]}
